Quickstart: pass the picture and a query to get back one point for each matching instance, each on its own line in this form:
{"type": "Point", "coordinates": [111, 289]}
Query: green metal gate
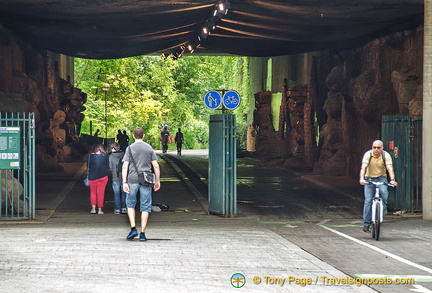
{"type": "Point", "coordinates": [222, 165]}
{"type": "Point", "coordinates": [402, 137]}
{"type": "Point", "coordinates": [17, 166]}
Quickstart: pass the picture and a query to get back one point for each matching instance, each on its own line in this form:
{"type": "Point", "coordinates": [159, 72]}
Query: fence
{"type": "Point", "coordinates": [402, 137]}
{"type": "Point", "coordinates": [17, 166]}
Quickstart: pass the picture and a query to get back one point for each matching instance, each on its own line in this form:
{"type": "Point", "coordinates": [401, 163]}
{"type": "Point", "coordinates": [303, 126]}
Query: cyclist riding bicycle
{"type": "Point", "coordinates": [375, 165]}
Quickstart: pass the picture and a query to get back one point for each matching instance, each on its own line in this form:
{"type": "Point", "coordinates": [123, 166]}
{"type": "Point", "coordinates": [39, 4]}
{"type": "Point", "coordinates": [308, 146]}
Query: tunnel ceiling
{"type": "Point", "coordinates": [121, 28]}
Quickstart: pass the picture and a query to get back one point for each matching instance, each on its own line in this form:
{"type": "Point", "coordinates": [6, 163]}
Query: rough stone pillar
{"type": "Point", "coordinates": [250, 139]}
{"type": "Point", "coordinates": [427, 112]}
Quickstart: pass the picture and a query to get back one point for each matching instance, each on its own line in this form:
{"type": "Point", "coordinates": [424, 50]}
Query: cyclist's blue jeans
{"type": "Point", "coordinates": [145, 197]}
{"type": "Point", "coordinates": [369, 191]}
{"type": "Point", "coordinates": [119, 195]}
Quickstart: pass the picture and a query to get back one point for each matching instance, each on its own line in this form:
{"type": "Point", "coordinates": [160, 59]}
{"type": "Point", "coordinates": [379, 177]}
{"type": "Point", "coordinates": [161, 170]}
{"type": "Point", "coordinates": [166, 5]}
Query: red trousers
{"type": "Point", "coordinates": [97, 191]}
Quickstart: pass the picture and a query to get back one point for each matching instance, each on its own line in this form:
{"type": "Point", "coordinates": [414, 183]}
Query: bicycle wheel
{"type": "Point", "coordinates": [373, 221]}
{"type": "Point", "coordinates": [377, 221]}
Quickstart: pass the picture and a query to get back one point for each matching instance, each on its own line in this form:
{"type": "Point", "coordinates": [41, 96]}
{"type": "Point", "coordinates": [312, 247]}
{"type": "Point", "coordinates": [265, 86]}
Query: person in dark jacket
{"type": "Point", "coordinates": [164, 138]}
{"type": "Point", "coordinates": [98, 167]}
{"type": "Point", "coordinates": [179, 141]}
{"type": "Point", "coordinates": [115, 165]}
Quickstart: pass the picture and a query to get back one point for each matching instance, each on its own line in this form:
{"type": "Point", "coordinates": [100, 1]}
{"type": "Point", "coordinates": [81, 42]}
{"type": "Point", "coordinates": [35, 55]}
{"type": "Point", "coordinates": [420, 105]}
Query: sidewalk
{"type": "Point", "coordinates": [66, 249]}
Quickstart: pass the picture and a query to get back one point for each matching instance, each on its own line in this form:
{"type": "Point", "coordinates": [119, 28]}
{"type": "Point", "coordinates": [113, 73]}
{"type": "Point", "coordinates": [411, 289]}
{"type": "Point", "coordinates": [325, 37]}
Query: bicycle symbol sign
{"type": "Point", "coordinates": [231, 100]}
{"type": "Point", "coordinates": [212, 99]}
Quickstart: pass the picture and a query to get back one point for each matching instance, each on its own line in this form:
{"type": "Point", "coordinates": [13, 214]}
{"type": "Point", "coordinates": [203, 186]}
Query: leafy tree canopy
{"type": "Point", "coordinates": [147, 91]}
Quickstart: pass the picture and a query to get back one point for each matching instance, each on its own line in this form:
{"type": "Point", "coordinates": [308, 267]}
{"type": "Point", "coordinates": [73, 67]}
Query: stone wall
{"type": "Point", "coordinates": [382, 78]}
{"type": "Point", "coordinates": [348, 93]}
{"type": "Point", "coordinates": [30, 82]}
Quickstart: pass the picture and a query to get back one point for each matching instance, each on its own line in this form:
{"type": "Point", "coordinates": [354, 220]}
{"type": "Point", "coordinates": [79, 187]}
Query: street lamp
{"type": "Point", "coordinates": [105, 88]}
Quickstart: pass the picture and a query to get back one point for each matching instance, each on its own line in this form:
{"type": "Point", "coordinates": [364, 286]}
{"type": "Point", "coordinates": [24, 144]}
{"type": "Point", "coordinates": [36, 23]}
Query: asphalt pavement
{"type": "Point", "coordinates": [67, 249]}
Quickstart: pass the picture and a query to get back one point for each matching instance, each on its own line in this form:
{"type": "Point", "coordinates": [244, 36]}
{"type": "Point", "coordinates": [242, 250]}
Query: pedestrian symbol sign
{"type": "Point", "coordinates": [231, 100]}
{"type": "Point", "coordinates": [212, 99]}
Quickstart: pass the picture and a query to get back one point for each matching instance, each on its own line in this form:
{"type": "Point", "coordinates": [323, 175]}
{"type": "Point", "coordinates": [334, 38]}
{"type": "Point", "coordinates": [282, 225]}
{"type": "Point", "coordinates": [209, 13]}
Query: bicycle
{"type": "Point", "coordinates": [377, 209]}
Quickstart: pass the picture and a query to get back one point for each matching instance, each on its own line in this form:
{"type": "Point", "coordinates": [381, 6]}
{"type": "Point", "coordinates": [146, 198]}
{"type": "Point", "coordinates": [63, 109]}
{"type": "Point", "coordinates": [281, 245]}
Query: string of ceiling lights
{"type": "Point", "coordinates": [219, 12]}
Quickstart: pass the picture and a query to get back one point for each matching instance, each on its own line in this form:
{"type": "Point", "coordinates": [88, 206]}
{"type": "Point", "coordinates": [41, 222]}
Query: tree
{"type": "Point", "coordinates": [147, 91]}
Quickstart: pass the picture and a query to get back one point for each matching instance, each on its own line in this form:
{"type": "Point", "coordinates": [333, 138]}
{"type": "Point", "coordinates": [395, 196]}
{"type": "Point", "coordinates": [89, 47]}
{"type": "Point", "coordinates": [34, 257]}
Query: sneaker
{"type": "Point", "coordinates": [132, 234]}
{"type": "Point", "coordinates": [93, 212]}
{"type": "Point", "coordinates": [366, 229]}
{"type": "Point", "coordinates": [142, 237]}
{"type": "Point", "coordinates": [101, 213]}
{"type": "Point", "coordinates": [116, 212]}
{"type": "Point", "coordinates": [123, 211]}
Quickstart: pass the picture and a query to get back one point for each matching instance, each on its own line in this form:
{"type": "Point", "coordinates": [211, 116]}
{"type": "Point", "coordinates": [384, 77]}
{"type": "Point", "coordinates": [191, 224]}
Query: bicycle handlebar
{"type": "Point", "coordinates": [380, 183]}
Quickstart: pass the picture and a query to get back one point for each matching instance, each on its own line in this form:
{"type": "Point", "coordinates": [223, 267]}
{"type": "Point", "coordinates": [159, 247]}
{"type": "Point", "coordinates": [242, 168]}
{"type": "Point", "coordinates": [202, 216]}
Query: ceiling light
{"type": "Point", "coordinates": [191, 48]}
{"type": "Point", "coordinates": [220, 10]}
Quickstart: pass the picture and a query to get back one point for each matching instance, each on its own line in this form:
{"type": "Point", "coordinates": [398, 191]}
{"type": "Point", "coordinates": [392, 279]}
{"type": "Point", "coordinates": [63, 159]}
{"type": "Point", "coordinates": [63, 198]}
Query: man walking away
{"type": "Point", "coordinates": [139, 157]}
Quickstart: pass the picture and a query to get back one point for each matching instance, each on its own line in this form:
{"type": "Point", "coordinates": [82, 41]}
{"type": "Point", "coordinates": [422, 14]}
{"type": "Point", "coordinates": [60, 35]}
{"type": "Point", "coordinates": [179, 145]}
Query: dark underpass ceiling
{"type": "Point", "coordinates": [121, 28]}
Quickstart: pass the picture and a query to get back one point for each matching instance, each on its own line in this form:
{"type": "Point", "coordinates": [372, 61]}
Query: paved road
{"type": "Point", "coordinates": [68, 250]}
{"type": "Point", "coordinates": [322, 215]}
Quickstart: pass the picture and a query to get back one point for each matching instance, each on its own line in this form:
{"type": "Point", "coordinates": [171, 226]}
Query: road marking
{"type": "Point", "coordinates": [282, 223]}
{"type": "Point", "coordinates": [344, 225]}
{"type": "Point", "coordinates": [396, 257]}
{"type": "Point", "coordinates": [420, 289]}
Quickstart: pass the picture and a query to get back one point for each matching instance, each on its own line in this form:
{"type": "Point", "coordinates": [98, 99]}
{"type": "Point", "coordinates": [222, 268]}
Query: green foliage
{"type": "Point", "coordinates": [147, 91]}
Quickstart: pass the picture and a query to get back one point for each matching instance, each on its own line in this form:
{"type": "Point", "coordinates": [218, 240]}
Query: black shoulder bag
{"type": "Point", "coordinates": [145, 178]}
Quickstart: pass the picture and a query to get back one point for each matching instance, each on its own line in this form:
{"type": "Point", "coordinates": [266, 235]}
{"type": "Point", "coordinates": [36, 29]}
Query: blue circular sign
{"type": "Point", "coordinates": [231, 100]}
{"type": "Point", "coordinates": [212, 99]}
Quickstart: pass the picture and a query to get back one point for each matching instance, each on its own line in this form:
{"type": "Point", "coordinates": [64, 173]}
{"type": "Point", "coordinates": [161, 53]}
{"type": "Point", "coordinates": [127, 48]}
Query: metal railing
{"type": "Point", "coordinates": [17, 174]}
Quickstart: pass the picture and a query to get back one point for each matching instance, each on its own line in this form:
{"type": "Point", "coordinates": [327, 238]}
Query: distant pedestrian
{"type": "Point", "coordinates": [115, 165]}
{"type": "Point", "coordinates": [164, 138]}
{"type": "Point", "coordinates": [97, 133]}
{"type": "Point", "coordinates": [98, 166]}
{"type": "Point", "coordinates": [119, 136]}
{"type": "Point", "coordinates": [139, 157]}
{"type": "Point", "coordinates": [124, 141]}
{"type": "Point", "coordinates": [179, 141]}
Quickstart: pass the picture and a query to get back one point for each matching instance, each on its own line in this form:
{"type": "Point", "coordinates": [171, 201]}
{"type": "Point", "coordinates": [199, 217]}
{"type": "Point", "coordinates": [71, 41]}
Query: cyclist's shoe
{"type": "Point", "coordinates": [132, 234]}
{"type": "Point", "coordinates": [366, 229]}
{"type": "Point", "coordinates": [142, 237]}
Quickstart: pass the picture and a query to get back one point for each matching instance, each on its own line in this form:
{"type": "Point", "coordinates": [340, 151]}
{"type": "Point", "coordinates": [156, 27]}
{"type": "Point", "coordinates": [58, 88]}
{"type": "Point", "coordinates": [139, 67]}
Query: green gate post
{"type": "Point", "coordinates": [222, 165]}
{"type": "Point", "coordinates": [398, 129]}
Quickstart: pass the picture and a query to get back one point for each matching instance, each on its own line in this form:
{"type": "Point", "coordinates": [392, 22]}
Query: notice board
{"type": "Point", "coordinates": [10, 147]}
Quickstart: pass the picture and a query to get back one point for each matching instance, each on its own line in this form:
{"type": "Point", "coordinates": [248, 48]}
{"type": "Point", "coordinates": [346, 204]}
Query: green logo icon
{"type": "Point", "coordinates": [238, 280]}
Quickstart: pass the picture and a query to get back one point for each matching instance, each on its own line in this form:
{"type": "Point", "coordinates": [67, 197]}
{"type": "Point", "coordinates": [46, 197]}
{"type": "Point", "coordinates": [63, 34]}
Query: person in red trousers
{"type": "Point", "coordinates": [98, 166]}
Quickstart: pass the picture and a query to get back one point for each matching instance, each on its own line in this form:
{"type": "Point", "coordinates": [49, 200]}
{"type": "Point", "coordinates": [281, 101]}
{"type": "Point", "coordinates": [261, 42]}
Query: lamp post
{"type": "Point", "coordinates": [105, 88]}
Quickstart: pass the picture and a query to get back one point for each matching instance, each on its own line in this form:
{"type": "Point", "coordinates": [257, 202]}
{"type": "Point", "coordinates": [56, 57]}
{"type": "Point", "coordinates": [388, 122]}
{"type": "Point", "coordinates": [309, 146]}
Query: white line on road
{"type": "Point", "coordinates": [401, 259]}
{"type": "Point", "coordinates": [420, 289]}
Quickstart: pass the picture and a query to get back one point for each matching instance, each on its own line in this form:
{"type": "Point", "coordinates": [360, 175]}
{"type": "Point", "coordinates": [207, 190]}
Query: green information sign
{"type": "Point", "coordinates": [10, 147]}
